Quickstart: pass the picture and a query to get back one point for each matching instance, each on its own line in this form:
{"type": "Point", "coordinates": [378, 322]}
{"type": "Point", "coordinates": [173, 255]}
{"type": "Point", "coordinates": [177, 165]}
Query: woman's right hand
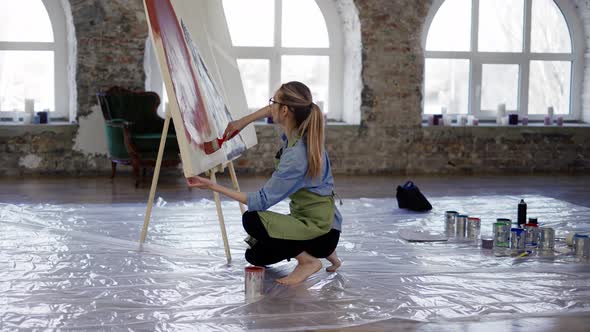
{"type": "Point", "coordinates": [233, 128]}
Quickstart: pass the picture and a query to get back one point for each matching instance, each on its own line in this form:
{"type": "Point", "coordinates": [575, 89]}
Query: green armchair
{"type": "Point", "coordinates": [133, 130]}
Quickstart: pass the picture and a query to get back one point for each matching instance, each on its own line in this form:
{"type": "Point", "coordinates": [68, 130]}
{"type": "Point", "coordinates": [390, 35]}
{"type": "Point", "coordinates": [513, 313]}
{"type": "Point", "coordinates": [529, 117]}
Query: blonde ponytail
{"type": "Point", "coordinates": [309, 118]}
{"type": "Point", "coordinates": [314, 125]}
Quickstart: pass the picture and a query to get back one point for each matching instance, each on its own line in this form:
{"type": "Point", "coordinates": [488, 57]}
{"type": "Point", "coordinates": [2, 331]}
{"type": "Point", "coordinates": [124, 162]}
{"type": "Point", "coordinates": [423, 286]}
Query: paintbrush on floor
{"type": "Point", "coordinates": [214, 145]}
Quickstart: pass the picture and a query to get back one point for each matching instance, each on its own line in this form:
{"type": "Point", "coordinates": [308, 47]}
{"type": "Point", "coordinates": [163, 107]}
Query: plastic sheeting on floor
{"type": "Point", "coordinates": [80, 267]}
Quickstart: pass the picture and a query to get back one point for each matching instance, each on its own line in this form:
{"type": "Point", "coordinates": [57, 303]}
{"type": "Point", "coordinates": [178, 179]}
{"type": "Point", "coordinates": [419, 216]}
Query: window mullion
{"type": "Point", "coordinates": [523, 95]}
{"type": "Point", "coordinates": [474, 67]}
{"type": "Point", "coordinates": [275, 58]}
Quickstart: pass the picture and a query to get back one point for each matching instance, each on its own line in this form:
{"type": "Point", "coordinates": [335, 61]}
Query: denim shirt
{"type": "Point", "coordinates": [290, 176]}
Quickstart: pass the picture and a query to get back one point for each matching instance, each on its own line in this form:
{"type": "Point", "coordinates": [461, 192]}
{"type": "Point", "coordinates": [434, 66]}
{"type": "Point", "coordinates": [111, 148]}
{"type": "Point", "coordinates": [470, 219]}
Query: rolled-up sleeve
{"type": "Point", "coordinates": [286, 180]}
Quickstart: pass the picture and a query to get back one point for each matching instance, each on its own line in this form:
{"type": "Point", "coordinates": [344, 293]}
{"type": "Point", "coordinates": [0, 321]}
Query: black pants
{"type": "Point", "coordinates": [268, 250]}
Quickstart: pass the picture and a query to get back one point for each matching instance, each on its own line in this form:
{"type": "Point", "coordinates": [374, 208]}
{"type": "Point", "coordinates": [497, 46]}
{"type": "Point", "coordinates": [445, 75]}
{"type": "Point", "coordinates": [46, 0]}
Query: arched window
{"type": "Point", "coordinates": [273, 41]}
{"type": "Point", "coordinates": [526, 54]}
{"type": "Point", "coordinates": [276, 41]}
{"type": "Point", "coordinates": [33, 59]}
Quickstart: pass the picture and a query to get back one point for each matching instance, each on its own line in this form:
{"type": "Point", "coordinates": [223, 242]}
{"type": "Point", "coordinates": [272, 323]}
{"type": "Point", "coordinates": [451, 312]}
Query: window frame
{"type": "Point", "coordinates": [57, 17]}
{"type": "Point", "coordinates": [477, 59]}
{"type": "Point", "coordinates": [273, 54]}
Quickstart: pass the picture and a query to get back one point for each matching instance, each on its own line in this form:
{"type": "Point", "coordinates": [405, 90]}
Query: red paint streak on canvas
{"type": "Point", "coordinates": [166, 28]}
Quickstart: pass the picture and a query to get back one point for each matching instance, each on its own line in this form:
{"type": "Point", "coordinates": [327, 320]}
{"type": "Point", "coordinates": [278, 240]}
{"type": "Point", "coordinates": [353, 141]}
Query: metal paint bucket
{"type": "Point", "coordinates": [501, 235]}
{"type": "Point", "coordinates": [546, 239]}
{"type": "Point", "coordinates": [532, 235]}
{"type": "Point", "coordinates": [487, 243]}
{"type": "Point", "coordinates": [517, 239]}
{"type": "Point", "coordinates": [253, 282]}
{"type": "Point", "coordinates": [473, 227]}
{"type": "Point", "coordinates": [460, 225]}
{"type": "Point", "coordinates": [450, 223]}
{"type": "Point", "coordinates": [582, 245]}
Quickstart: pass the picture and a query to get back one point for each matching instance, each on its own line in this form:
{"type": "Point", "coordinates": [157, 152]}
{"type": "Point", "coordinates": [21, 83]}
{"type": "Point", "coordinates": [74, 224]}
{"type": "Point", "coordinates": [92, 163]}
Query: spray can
{"type": "Point", "coordinates": [521, 214]}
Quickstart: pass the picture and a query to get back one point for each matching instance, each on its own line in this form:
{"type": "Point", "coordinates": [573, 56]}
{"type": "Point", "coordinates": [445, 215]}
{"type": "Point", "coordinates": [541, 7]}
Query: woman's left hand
{"type": "Point", "coordinates": [199, 182]}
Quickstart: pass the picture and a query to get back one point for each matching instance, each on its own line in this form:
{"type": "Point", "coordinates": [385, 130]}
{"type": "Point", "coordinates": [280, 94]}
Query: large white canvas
{"type": "Point", "coordinates": [192, 46]}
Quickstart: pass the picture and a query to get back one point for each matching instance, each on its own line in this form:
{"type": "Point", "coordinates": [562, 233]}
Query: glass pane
{"type": "Point", "coordinates": [255, 79]}
{"type": "Point", "coordinates": [501, 25]}
{"type": "Point", "coordinates": [549, 31]}
{"type": "Point", "coordinates": [26, 75]}
{"type": "Point", "coordinates": [313, 33]}
{"type": "Point", "coordinates": [549, 85]}
{"type": "Point", "coordinates": [499, 85]}
{"type": "Point", "coordinates": [446, 85]}
{"type": "Point", "coordinates": [451, 27]}
{"type": "Point", "coordinates": [313, 71]}
{"type": "Point", "coordinates": [251, 23]}
{"type": "Point", "coordinates": [24, 20]}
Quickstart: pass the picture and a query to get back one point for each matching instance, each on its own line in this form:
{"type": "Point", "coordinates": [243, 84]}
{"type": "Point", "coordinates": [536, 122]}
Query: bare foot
{"type": "Point", "coordinates": [307, 265]}
{"type": "Point", "coordinates": [333, 258]}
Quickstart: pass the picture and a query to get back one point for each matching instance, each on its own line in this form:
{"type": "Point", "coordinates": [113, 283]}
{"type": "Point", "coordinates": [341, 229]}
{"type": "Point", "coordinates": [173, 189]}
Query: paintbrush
{"type": "Point", "coordinates": [214, 145]}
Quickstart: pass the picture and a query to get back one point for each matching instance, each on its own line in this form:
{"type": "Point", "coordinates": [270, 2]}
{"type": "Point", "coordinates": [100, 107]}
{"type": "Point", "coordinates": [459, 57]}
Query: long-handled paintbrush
{"type": "Point", "coordinates": [214, 145]}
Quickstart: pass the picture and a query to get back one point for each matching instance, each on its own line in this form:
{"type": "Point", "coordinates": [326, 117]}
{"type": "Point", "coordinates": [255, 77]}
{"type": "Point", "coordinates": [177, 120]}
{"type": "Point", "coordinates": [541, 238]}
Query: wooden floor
{"type": "Point", "coordinates": [574, 189]}
{"type": "Point", "coordinates": [172, 187]}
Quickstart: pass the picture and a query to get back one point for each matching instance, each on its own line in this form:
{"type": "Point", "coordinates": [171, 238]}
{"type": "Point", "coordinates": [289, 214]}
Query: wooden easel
{"type": "Point", "coordinates": [210, 173]}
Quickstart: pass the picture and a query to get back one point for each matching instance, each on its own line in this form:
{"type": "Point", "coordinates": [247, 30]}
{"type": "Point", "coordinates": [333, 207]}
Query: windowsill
{"type": "Point", "coordinates": [12, 129]}
{"type": "Point", "coordinates": [573, 124]}
{"type": "Point", "coordinates": [328, 124]}
{"type": "Point", "coordinates": [24, 125]}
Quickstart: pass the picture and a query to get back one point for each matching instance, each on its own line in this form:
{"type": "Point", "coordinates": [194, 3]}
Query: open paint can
{"type": "Point", "coordinates": [253, 282]}
{"type": "Point", "coordinates": [473, 227]}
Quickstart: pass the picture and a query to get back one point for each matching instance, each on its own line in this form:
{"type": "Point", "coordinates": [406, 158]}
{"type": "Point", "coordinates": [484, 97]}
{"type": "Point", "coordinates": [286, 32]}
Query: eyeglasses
{"type": "Point", "coordinates": [273, 101]}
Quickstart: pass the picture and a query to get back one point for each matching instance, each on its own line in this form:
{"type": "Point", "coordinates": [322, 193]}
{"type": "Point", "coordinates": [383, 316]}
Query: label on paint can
{"type": "Point", "coordinates": [501, 235]}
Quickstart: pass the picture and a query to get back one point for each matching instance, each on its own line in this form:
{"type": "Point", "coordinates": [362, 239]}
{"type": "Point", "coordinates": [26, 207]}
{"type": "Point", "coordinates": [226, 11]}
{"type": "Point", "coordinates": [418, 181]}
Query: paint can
{"type": "Point", "coordinates": [487, 243]}
{"type": "Point", "coordinates": [501, 234]}
{"type": "Point", "coordinates": [473, 228]}
{"type": "Point", "coordinates": [546, 239]}
{"type": "Point", "coordinates": [517, 239]}
{"type": "Point", "coordinates": [582, 245]}
{"type": "Point", "coordinates": [253, 282]}
{"type": "Point", "coordinates": [450, 223]}
{"type": "Point", "coordinates": [532, 235]}
{"type": "Point", "coordinates": [460, 225]}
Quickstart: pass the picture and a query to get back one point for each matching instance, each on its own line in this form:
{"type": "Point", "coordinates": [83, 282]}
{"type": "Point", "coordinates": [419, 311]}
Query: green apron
{"type": "Point", "coordinates": [311, 215]}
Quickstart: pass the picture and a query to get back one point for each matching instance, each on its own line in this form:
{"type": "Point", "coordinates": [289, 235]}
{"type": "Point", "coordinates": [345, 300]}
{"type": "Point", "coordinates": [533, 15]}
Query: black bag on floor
{"type": "Point", "coordinates": [409, 197]}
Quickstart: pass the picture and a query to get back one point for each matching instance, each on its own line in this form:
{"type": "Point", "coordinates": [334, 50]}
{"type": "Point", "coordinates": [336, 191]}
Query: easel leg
{"type": "Point", "coordinates": [148, 211]}
{"type": "Point", "coordinates": [220, 216]}
{"type": "Point", "coordinates": [234, 180]}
